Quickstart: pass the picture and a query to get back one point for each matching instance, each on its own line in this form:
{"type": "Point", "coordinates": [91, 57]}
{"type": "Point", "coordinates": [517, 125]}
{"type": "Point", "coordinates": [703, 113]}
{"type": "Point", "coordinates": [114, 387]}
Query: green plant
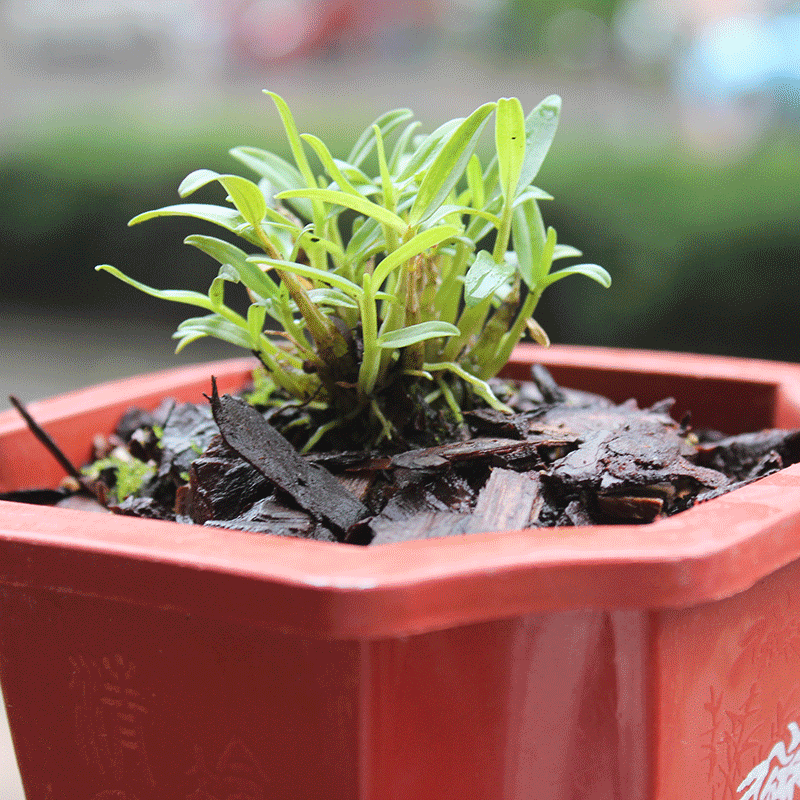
{"type": "Point", "coordinates": [127, 474]}
{"type": "Point", "coordinates": [424, 297]}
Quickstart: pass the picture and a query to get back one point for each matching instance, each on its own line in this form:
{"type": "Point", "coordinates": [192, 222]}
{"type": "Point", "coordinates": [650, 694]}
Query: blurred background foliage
{"type": "Point", "coordinates": [704, 252]}
{"type": "Point", "coordinates": [677, 165]}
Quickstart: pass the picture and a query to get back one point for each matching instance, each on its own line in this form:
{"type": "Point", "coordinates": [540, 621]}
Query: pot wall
{"type": "Point", "coordinates": [726, 702]}
{"type": "Point", "coordinates": [149, 661]}
{"type": "Point", "coordinates": [152, 704]}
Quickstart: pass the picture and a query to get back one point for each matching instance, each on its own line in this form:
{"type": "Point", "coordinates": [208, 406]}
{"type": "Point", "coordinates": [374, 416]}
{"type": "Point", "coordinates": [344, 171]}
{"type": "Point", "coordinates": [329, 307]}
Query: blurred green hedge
{"type": "Point", "coordinates": [705, 254]}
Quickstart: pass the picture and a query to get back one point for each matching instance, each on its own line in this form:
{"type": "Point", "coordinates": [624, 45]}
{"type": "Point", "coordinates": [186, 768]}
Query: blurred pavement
{"type": "Point", "coordinates": [436, 87]}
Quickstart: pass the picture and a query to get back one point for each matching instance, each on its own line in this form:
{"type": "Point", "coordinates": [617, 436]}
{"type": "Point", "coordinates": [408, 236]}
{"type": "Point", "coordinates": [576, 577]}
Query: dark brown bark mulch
{"type": "Point", "coordinates": [566, 458]}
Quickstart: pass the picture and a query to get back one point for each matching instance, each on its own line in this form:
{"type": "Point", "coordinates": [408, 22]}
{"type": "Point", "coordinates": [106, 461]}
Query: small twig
{"type": "Point", "coordinates": [44, 437]}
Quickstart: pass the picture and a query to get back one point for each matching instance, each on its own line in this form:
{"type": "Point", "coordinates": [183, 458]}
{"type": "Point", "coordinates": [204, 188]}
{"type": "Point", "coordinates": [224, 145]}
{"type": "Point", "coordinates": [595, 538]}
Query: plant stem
{"type": "Point", "coordinates": [470, 321]}
{"type": "Point", "coordinates": [512, 338]}
{"type": "Point", "coordinates": [503, 234]}
{"type": "Point", "coordinates": [370, 360]}
{"type": "Point", "coordinates": [266, 243]}
{"type": "Point", "coordinates": [450, 399]}
{"type": "Point", "coordinates": [449, 292]}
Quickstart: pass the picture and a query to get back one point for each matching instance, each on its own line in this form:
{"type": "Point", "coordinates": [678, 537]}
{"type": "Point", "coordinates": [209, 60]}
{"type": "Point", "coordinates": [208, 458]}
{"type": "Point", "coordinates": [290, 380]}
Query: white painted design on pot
{"type": "Point", "coordinates": [778, 775]}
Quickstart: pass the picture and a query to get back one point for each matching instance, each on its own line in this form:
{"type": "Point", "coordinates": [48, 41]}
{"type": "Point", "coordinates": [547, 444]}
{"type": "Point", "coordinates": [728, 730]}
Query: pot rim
{"type": "Point", "coordinates": [711, 551]}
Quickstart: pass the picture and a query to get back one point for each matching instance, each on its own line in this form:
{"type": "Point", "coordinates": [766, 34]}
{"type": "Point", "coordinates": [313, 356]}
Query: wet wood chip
{"type": "Point", "coordinates": [311, 486]}
{"type": "Point", "coordinates": [145, 507]}
{"type": "Point", "coordinates": [358, 483]}
{"type": "Point", "coordinates": [188, 430]}
{"type": "Point", "coordinates": [83, 502]}
{"type": "Point", "coordinates": [349, 460]}
{"type": "Point", "coordinates": [630, 508]}
{"type": "Point", "coordinates": [222, 484]}
{"type": "Point", "coordinates": [748, 454]}
{"type": "Point", "coordinates": [423, 525]}
{"type": "Point", "coordinates": [496, 423]}
{"type": "Point", "coordinates": [413, 492]}
{"type": "Point", "coordinates": [432, 457]}
{"type": "Point", "coordinates": [509, 501]}
{"type": "Point", "coordinates": [269, 516]}
{"type": "Point", "coordinates": [575, 515]}
{"type": "Point", "coordinates": [628, 458]}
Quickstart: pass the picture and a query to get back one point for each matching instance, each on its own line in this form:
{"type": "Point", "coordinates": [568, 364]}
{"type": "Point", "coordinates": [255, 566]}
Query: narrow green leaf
{"type": "Point", "coordinates": [403, 337]}
{"type": "Point", "coordinates": [355, 202]}
{"type": "Point", "coordinates": [247, 198]}
{"type": "Point", "coordinates": [251, 276]}
{"type": "Point", "coordinates": [484, 277]}
{"type": "Point", "coordinates": [491, 177]}
{"type": "Point", "coordinates": [365, 234]}
{"type": "Point", "coordinates": [386, 123]}
{"type": "Point", "coordinates": [214, 325]}
{"type": "Point", "coordinates": [483, 222]}
{"type": "Point", "coordinates": [195, 180]}
{"type": "Point", "coordinates": [475, 182]}
{"type": "Point", "coordinates": [593, 271]}
{"type": "Point", "coordinates": [331, 278]}
{"type": "Point", "coordinates": [428, 149]}
{"type": "Point", "coordinates": [244, 194]}
{"type": "Point", "coordinates": [528, 234]}
{"type": "Point", "coordinates": [295, 143]}
{"type": "Point", "coordinates": [390, 298]}
{"type": "Point", "coordinates": [310, 242]}
{"type": "Point", "coordinates": [256, 316]}
{"type": "Point", "coordinates": [546, 259]}
{"type": "Point", "coordinates": [357, 178]}
{"type": "Point", "coordinates": [399, 153]}
{"type": "Point", "coordinates": [387, 186]}
{"type": "Point", "coordinates": [173, 295]}
{"type": "Point", "coordinates": [220, 250]}
{"type": "Point", "coordinates": [412, 248]}
{"type": "Point", "coordinates": [565, 251]}
{"type": "Point", "coordinates": [331, 297]}
{"type": "Point", "coordinates": [531, 193]}
{"type": "Point", "coordinates": [216, 293]}
{"type": "Point", "coordinates": [509, 135]}
{"type": "Point", "coordinates": [329, 163]}
{"type": "Point", "coordinates": [447, 209]}
{"type": "Point", "coordinates": [482, 389]}
{"type": "Point", "coordinates": [540, 127]}
{"type": "Point", "coordinates": [279, 173]}
{"type": "Point", "coordinates": [447, 168]}
{"type": "Point", "coordinates": [228, 218]}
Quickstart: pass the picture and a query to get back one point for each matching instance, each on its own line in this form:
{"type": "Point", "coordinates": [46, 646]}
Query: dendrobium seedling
{"type": "Point", "coordinates": [385, 284]}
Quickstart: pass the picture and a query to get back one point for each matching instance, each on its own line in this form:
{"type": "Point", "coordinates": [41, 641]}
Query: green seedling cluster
{"type": "Point", "coordinates": [129, 474]}
{"type": "Point", "coordinates": [418, 280]}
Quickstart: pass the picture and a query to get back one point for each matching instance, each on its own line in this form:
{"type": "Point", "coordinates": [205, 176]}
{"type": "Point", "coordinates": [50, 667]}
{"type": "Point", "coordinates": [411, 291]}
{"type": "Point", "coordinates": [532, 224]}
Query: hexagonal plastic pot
{"type": "Point", "coordinates": [146, 660]}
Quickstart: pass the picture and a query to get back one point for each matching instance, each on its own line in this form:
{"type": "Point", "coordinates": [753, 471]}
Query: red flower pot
{"type": "Point", "coordinates": [146, 660]}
